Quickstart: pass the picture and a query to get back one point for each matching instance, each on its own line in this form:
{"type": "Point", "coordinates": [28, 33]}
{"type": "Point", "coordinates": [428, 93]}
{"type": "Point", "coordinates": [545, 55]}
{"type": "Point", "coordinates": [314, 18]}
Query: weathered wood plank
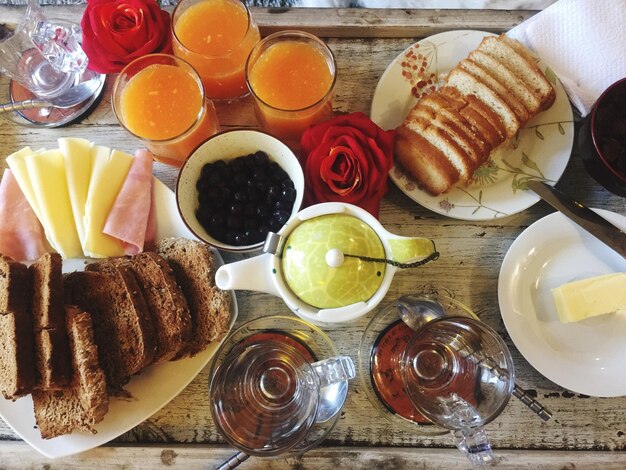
{"type": "Point", "coordinates": [17, 455]}
{"type": "Point", "coordinates": [348, 22]}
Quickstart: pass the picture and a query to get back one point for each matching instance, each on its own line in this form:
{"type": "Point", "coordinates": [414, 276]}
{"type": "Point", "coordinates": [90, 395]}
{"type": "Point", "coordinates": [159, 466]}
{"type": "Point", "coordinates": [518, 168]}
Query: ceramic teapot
{"type": "Point", "coordinates": [331, 263]}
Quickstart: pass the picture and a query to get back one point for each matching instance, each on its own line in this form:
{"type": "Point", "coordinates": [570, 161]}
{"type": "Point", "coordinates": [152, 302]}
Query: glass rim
{"type": "Point", "coordinates": [294, 33]}
{"type": "Point", "coordinates": [216, 56]}
{"type": "Point", "coordinates": [147, 57]}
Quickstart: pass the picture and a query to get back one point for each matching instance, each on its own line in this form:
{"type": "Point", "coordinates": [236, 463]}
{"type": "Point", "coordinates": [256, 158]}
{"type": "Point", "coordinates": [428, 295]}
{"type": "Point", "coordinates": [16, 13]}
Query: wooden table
{"type": "Point", "coordinates": [585, 432]}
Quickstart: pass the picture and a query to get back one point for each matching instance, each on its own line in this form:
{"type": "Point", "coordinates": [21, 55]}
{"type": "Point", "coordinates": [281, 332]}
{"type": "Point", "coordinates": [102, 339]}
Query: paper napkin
{"type": "Point", "coordinates": [583, 41]}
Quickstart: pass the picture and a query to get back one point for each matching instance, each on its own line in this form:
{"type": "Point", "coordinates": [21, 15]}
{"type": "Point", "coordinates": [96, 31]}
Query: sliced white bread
{"type": "Point", "coordinates": [520, 62]}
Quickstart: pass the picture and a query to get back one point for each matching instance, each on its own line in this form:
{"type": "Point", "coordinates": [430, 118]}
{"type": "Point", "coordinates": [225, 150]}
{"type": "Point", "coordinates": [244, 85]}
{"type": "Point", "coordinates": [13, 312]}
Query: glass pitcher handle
{"type": "Point", "coordinates": [469, 435]}
{"type": "Point", "coordinates": [334, 370]}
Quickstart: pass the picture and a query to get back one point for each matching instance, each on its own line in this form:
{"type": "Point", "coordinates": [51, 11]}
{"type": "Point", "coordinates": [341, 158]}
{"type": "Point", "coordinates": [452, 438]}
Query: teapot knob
{"type": "Point", "coordinates": [334, 258]}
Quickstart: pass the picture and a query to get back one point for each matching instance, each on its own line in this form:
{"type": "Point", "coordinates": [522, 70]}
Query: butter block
{"type": "Point", "coordinates": [108, 174]}
{"type": "Point", "coordinates": [578, 300]}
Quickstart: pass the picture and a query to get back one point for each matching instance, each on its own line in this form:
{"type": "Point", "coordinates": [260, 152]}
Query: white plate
{"type": "Point", "coordinates": [151, 390]}
{"type": "Point", "coordinates": [498, 190]}
{"type": "Point", "coordinates": [586, 357]}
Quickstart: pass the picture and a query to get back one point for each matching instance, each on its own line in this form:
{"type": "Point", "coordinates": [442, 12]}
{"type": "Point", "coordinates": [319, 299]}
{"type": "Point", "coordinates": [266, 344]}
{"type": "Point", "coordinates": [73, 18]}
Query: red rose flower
{"type": "Point", "coordinates": [347, 159]}
{"type": "Point", "coordinates": [115, 32]}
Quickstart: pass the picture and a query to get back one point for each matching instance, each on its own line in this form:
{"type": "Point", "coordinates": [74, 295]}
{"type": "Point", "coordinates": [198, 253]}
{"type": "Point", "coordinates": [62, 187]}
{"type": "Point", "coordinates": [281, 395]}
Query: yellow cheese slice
{"type": "Point", "coordinates": [108, 173]}
{"type": "Point", "coordinates": [590, 297]}
{"type": "Point", "coordinates": [17, 163]}
{"type": "Point", "coordinates": [77, 156]}
{"type": "Point", "coordinates": [49, 184]}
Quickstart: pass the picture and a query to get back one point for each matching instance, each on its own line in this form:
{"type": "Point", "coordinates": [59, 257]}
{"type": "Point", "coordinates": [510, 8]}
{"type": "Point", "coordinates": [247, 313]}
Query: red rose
{"type": "Point", "coordinates": [347, 159]}
{"type": "Point", "coordinates": [115, 32]}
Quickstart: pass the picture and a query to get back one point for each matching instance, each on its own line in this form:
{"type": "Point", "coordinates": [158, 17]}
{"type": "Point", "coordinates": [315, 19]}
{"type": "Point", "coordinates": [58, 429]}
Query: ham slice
{"type": "Point", "coordinates": [128, 220]}
{"type": "Point", "coordinates": [21, 234]}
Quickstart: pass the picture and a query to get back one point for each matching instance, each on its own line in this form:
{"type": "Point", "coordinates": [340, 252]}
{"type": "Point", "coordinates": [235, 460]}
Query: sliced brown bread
{"type": "Point", "coordinates": [15, 284]}
{"type": "Point", "coordinates": [508, 96]}
{"type": "Point", "coordinates": [532, 101]}
{"type": "Point", "coordinates": [85, 401]}
{"type": "Point", "coordinates": [17, 342]}
{"type": "Point", "coordinates": [424, 162]}
{"type": "Point", "coordinates": [51, 344]}
{"type": "Point", "coordinates": [164, 298]}
{"type": "Point", "coordinates": [194, 267]}
{"type": "Point", "coordinates": [121, 320]}
{"type": "Point", "coordinates": [519, 60]}
{"type": "Point", "coordinates": [470, 85]}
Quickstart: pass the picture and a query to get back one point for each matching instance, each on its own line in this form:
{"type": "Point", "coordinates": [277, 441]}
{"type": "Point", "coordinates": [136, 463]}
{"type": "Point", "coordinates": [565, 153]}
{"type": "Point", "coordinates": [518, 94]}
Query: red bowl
{"type": "Point", "coordinates": [602, 139]}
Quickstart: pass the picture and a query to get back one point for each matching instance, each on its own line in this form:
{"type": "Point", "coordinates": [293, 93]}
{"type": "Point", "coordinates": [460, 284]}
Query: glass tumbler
{"type": "Point", "coordinates": [215, 37]}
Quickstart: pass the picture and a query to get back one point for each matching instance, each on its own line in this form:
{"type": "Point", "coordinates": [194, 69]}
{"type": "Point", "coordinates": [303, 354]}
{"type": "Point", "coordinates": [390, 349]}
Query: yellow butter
{"type": "Point", "coordinates": [590, 297]}
{"type": "Point", "coordinates": [109, 170]}
{"type": "Point", "coordinates": [46, 170]}
{"type": "Point", "coordinates": [77, 157]}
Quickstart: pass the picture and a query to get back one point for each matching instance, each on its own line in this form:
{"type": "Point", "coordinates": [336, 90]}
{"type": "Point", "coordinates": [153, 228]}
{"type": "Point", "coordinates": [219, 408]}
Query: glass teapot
{"type": "Point", "coordinates": [332, 263]}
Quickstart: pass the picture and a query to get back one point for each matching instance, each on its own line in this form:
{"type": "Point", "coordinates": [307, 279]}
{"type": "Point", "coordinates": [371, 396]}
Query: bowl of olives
{"type": "Point", "coordinates": [236, 187]}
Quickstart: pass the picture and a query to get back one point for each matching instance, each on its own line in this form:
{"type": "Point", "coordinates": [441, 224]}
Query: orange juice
{"type": "Point", "coordinates": [215, 36]}
{"type": "Point", "coordinates": [160, 99]}
{"type": "Point", "coordinates": [291, 75]}
{"type": "Point", "coordinates": [160, 102]}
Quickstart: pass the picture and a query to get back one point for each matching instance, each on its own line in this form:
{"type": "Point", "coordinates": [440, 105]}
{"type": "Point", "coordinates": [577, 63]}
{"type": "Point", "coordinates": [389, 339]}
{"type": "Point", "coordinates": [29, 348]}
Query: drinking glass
{"type": "Point", "coordinates": [215, 37]}
{"type": "Point", "coordinates": [159, 98]}
{"type": "Point", "coordinates": [43, 54]}
{"type": "Point", "coordinates": [291, 75]}
{"type": "Point", "coordinates": [277, 386]}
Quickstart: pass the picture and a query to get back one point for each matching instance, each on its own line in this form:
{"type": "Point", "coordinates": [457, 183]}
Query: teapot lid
{"type": "Point", "coordinates": [327, 261]}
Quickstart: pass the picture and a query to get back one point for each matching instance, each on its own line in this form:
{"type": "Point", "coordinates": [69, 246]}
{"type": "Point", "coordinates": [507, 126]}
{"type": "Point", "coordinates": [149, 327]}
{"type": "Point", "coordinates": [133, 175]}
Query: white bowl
{"type": "Point", "coordinates": [229, 145]}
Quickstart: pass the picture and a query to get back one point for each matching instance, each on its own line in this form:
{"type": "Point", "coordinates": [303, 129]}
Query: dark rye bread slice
{"type": "Point", "coordinates": [164, 298]}
{"type": "Point", "coordinates": [122, 326]}
{"type": "Point", "coordinates": [194, 266]}
{"type": "Point", "coordinates": [17, 349]}
{"type": "Point", "coordinates": [85, 401]}
{"type": "Point", "coordinates": [52, 352]}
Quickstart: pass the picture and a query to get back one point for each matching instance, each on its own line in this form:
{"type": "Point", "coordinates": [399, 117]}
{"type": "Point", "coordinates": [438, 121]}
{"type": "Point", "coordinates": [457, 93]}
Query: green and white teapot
{"type": "Point", "coordinates": [331, 263]}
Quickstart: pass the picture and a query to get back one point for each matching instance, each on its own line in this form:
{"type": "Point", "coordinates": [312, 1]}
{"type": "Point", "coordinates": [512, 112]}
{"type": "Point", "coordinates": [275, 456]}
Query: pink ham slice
{"type": "Point", "coordinates": [129, 219]}
{"type": "Point", "coordinates": [21, 234]}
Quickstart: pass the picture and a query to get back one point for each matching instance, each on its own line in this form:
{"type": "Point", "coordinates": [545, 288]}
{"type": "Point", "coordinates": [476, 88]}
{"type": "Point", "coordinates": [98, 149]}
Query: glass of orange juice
{"type": "Point", "coordinates": [159, 98]}
{"type": "Point", "coordinates": [291, 75]}
{"type": "Point", "coordinates": [215, 36]}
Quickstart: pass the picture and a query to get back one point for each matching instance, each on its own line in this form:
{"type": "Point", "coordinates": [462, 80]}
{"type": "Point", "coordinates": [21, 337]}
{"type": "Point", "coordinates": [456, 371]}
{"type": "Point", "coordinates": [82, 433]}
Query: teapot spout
{"type": "Point", "coordinates": [407, 250]}
{"type": "Point", "coordinates": [249, 274]}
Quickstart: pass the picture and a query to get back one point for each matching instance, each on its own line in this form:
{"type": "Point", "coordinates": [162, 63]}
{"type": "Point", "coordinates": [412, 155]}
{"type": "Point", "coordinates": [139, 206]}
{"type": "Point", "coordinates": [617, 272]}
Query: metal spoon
{"type": "Point", "coordinates": [416, 311]}
{"type": "Point", "coordinates": [75, 95]}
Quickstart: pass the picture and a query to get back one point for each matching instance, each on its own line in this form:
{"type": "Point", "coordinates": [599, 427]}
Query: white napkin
{"type": "Point", "coordinates": [583, 41]}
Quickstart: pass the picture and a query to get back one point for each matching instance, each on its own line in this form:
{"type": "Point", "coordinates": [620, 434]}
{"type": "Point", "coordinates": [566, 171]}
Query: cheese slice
{"type": "Point", "coordinates": [590, 297]}
{"type": "Point", "coordinates": [78, 162]}
{"type": "Point", "coordinates": [49, 185]}
{"type": "Point", "coordinates": [108, 173]}
{"type": "Point", "coordinates": [17, 163]}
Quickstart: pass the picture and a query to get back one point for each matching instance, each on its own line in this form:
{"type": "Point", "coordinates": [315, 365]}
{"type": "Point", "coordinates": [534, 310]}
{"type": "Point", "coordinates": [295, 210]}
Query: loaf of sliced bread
{"type": "Point", "coordinates": [166, 303]}
{"type": "Point", "coordinates": [122, 324]}
{"type": "Point", "coordinates": [84, 402]}
{"type": "Point", "coordinates": [194, 267]}
{"type": "Point", "coordinates": [17, 342]}
{"type": "Point", "coordinates": [52, 350]}
{"type": "Point", "coordinates": [484, 102]}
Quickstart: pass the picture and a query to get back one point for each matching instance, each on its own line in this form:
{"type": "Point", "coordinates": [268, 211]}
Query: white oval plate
{"type": "Point", "coordinates": [151, 390]}
{"type": "Point", "coordinates": [585, 357]}
{"type": "Point", "coordinates": [541, 151]}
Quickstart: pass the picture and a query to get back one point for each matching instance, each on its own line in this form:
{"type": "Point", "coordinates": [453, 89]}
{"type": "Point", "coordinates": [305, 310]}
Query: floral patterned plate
{"type": "Point", "coordinates": [540, 151]}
